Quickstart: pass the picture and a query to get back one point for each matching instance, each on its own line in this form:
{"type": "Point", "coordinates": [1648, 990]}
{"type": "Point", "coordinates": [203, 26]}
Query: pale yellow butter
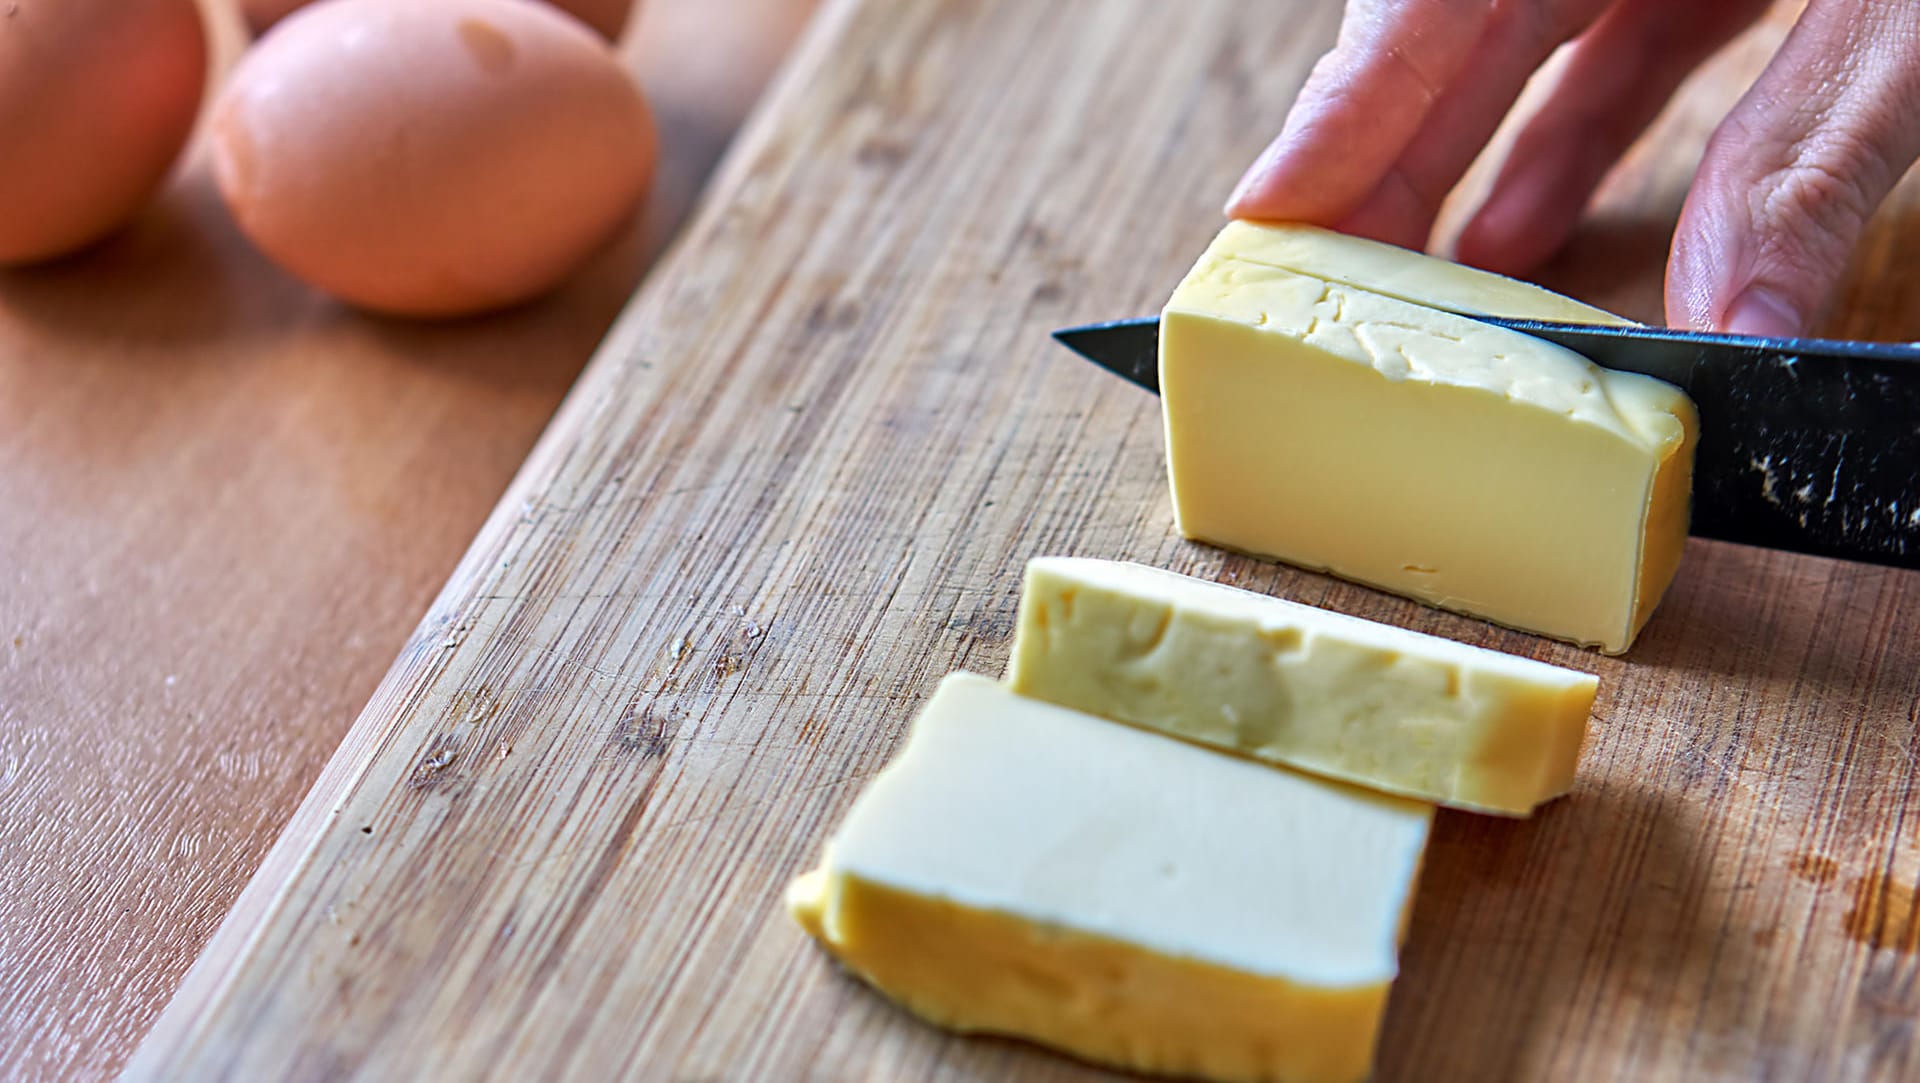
{"type": "Point", "coordinates": [1343, 697]}
{"type": "Point", "coordinates": [1464, 465]}
{"type": "Point", "coordinates": [1397, 272]}
{"type": "Point", "coordinates": [1028, 870]}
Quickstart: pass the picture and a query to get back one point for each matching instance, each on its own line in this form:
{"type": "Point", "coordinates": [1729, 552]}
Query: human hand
{"type": "Point", "coordinates": [1391, 118]}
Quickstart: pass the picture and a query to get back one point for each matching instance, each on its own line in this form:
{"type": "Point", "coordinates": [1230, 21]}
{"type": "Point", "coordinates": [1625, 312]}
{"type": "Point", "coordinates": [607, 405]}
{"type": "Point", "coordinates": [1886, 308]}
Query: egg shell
{"type": "Point", "coordinates": [607, 16]}
{"type": "Point", "coordinates": [96, 99]}
{"type": "Point", "coordinates": [431, 159]}
{"type": "Point", "coordinates": [261, 14]}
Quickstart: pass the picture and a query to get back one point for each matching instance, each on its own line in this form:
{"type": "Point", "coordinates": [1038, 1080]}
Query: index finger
{"type": "Point", "coordinates": [1360, 108]}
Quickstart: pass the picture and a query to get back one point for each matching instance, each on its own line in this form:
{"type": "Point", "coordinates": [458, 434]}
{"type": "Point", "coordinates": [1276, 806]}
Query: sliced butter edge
{"type": "Point", "coordinates": [1368, 704]}
{"type": "Point", "coordinates": [1401, 273]}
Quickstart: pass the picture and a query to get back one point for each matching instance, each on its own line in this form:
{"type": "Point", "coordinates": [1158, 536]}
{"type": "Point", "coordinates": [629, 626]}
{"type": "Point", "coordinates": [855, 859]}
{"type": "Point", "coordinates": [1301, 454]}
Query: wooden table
{"type": "Point", "coordinates": [226, 502]}
{"type": "Point", "coordinates": [798, 483]}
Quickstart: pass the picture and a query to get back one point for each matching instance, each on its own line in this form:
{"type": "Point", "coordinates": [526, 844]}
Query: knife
{"type": "Point", "coordinates": [1807, 445]}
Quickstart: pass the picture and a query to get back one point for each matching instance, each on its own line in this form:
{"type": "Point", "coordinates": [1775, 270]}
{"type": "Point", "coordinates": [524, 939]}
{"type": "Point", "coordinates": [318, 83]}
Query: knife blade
{"type": "Point", "coordinates": [1806, 445]}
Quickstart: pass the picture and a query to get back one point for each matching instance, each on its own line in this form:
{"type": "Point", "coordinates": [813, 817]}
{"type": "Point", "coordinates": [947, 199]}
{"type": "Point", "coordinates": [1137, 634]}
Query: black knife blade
{"type": "Point", "coordinates": [1806, 445]}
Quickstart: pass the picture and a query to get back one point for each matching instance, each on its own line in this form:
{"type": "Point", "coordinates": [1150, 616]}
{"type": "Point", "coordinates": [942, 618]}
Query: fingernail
{"type": "Point", "coordinates": [1760, 311]}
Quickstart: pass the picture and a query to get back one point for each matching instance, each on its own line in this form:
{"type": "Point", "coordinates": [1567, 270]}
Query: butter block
{"type": "Point", "coordinates": [1347, 698]}
{"type": "Point", "coordinates": [1027, 870]}
{"type": "Point", "coordinates": [1425, 453]}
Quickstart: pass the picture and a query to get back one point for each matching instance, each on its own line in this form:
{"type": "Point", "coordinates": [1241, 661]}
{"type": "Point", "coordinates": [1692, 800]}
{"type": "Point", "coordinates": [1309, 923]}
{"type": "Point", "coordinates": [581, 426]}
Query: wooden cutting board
{"type": "Point", "coordinates": [798, 484]}
{"type": "Point", "coordinates": [225, 500]}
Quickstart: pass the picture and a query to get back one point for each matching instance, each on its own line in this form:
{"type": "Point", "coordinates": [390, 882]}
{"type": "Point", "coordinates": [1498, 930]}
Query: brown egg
{"type": "Point", "coordinates": [431, 159]}
{"type": "Point", "coordinates": [261, 14]}
{"type": "Point", "coordinates": [96, 99]}
{"type": "Point", "coordinates": [607, 16]}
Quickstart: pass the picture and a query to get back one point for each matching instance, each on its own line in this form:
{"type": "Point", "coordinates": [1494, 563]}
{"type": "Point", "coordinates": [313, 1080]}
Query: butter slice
{"type": "Point", "coordinates": [1396, 272]}
{"type": "Point", "coordinates": [1027, 870]}
{"type": "Point", "coordinates": [1426, 453]}
{"type": "Point", "coordinates": [1347, 698]}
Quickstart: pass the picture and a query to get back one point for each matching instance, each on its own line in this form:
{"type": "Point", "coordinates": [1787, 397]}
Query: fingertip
{"type": "Point", "coordinates": [1292, 180]}
{"type": "Point", "coordinates": [1272, 188]}
{"type": "Point", "coordinates": [1246, 191]}
{"type": "Point", "coordinates": [1726, 272]}
{"type": "Point", "coordinates": [1765, 312]}
{"type": "Point", "coordinates": [1525, 219]}
{"type": "Point", "coordinates": [1361, 106]}
{"type": "Point", "coordinates": [1501, 238]}
{"type": "Point", "coordinates": [1789, 180]}
{"type": "Point", "coordinates": [1696, 261]}
{"type": "Point", "coordinates": [1394, 214]}
{"type": "Point", "coordinates": [1244, 201]}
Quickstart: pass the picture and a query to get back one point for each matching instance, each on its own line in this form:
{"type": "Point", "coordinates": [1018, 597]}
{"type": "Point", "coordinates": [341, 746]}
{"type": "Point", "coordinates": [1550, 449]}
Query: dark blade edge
{"type": "Point", "coordinates": [1129, 349]}
{"type": "Point", "coordinates": [1806, 445]}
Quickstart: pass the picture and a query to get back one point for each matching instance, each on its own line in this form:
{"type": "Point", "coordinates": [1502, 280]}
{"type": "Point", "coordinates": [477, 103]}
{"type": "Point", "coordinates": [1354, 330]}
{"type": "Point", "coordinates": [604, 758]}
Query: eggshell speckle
{"type": "Point", "coordinates": [96, 99]}
{"type": "Point", "coordinates": [431, 159]}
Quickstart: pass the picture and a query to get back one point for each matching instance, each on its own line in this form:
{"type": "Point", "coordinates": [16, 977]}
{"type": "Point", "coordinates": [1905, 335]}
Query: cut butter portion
{"type": "Point", "coordinates": [1425, 453]}
{"type": "Point", "coordinates": [1027, 870]}
{"type": "Point", "coordinates": [1343, 697]}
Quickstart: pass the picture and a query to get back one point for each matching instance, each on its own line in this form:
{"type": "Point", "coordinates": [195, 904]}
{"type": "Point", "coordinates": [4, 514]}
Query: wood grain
{"type": "Point", "coordinates": [798, 484]}
{"type": "Point", "coordinates": [226, 502]}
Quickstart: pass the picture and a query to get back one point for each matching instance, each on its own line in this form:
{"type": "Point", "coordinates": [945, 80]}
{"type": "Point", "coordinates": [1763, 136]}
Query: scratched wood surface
{"type": "Point", "coordinates": [797, 485]}
{"type": "Point", "coordinates": [226, 501]}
